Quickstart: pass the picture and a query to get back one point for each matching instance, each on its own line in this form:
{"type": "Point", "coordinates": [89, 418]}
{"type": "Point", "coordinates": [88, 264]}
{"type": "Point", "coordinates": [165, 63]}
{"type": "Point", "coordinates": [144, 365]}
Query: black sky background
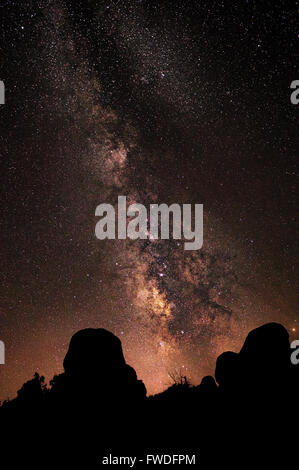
{"type": "Point", "coordinates": [184, 101]}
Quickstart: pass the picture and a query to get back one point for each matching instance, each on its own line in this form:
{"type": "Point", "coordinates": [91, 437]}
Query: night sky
{"type": "Point", "coordinates": [174, 102]}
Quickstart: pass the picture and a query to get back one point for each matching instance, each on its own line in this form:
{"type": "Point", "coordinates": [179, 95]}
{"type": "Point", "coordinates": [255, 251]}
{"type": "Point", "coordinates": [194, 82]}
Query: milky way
{"type": "Point", "coordinates": [186, 104]}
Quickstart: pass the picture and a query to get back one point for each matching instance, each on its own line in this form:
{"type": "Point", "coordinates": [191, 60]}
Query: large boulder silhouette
{"type": "Point", "coordinates": [97, 392]}
{"type": "Point", "coordinates": [263, 363]}
{"type": "Point", "coordinates": [208, 382]}
{"type": "Point", "coordinates": [94, 351]}
{"type": "Point", "coordinates": [95, 367]}
{"type": "Point", "coordinates": [228, 371]}
{"type": "Point", "coordinates": [265, 356]}
{"type": "Point", "coordinates": [268, 343]}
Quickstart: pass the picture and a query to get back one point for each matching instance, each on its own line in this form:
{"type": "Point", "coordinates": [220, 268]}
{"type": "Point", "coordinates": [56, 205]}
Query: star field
{"type": "Point", "coordinates": [184, 102]}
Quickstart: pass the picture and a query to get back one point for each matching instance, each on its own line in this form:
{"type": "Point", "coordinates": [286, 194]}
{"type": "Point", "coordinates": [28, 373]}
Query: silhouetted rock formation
{"type": "Point", "coordinates": [95, 365]}
{"type": "Point", "coordinates": [255, 386]}
{"type": "Point", "coordinates": [98, 406]}
{"type": "Point", "coordinates": [208, 385]}
{"type": "Point", "coordinates": [262, 364]}
{"type": "Point", "coordinates": [265, 357]}
{"type": "Point", "coordinates": [93, 351]}
{"type": "Point", "coordinates": [228, 371]}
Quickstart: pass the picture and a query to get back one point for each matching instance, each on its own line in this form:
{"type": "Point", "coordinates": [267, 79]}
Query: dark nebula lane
{"type": "Point", "coordinates": [164, 102]}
